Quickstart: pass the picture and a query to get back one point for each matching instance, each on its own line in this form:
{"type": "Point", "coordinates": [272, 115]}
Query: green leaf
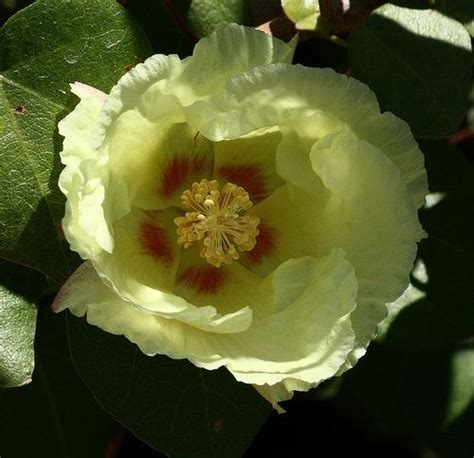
{"type": "Point", "coordinates": [43, 48]}
{"type": "Point", "coordinates": [205, 16]}
{"type": "Point", "coordinates": [442, 314]}
{"type": "Point", "coordinates": [172, 405]}
{"type": "Point", "coordinates": [406, 393]}
{"type": "Point", "coordinates": [418, 62]}
{"type": "Point", "coordinates": [18, 289]}
{"type": "Point", "coordinates": [422, 397]}
{"type": "Point", "coordinates": [55, 416]}
{"type": "Point", "coordinates": [462, 383]}
{"type": "Point", "coordinates": [417, 380]}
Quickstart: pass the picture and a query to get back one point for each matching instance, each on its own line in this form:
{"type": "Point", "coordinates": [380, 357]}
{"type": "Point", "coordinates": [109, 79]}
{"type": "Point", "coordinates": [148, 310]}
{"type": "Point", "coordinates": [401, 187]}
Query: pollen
{"type": "Point", "coordinates": [218, 221]}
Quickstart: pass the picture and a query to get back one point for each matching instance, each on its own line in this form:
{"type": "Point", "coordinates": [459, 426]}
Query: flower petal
{"type": "Point", "coordinates": [275, 394]}
{"type": "Point", "coordinates": [84, 223]}
{"type": "Point", "coordinates": [293, 224]}
{"type": "Point", "coordinates": [228, 288]}
{"type": "Point", "coordinates": [162, 85]}
{"type": "Point", "coordinates": [214, 60]}
{"type": "Point", "coordinates": [359, 204]}
{"type": "Point", "coordinates": [147, 103]}
{"type": "Point", "coordinates": [158, 170]}
{"type": "Point", "coordinates": [316, 296]}
{"type": "Point", "coordinates": [250, 163]}
{"type": "Point", "coordinates": [86, 291]}
{"type": "Point", "coordinates": [393, 136]}
{"type": "Point", "coordinates": [380, 241]}
{"type": "Point", "coordinates": [312, 103]}
{"type": "Point", "coordinates": [145, 251]}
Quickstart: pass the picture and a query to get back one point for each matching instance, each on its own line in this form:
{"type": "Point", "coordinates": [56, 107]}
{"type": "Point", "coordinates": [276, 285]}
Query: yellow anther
{"type": "Point", "coordinates": [217, 218]}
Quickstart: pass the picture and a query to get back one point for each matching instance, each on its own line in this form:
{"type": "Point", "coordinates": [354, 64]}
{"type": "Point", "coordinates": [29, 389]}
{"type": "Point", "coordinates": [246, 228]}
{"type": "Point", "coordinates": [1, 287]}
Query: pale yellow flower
{"type": "Point", "coordinates": [239, 211]}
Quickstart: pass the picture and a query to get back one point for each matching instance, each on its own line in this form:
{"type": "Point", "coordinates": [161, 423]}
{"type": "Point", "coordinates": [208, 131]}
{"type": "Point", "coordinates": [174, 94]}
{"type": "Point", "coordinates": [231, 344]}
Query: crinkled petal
{"type": "Point", "coordinates": [148, 101]}
{"type": "Point", "coordinates": [84, 223]}
{"type": "Point", "coordinates": [311, 102]}
{"type": "Point", "coordinates": [315, 295]}
{"type": "Point", "coordinates": [381, 235]}
{"type": "Point", "coordinates": [393, 136]}
{"type": "Point", "coordinates": [85, 293]}
{"type": "Point", "coordinates": [84, 288]}
{"type": "Point", "coordinates": [160, 86]}
{"type": "Point", "coordinates": [229, 52]}
{"type": "Point", "coordinates": [358, 203]}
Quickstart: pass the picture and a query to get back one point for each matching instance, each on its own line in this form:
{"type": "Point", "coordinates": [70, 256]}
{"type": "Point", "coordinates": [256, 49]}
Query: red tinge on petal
{"type": "Point", "coordinates": [250, 177]}
{"type": "Point", "coordinates": [265, 244]}
{"type": "Point", "coordinates": [154, 241]}
{"type": "Point", "coordinates": [205, 280]}
{"type": "Point", "coordinates": [177, 172]}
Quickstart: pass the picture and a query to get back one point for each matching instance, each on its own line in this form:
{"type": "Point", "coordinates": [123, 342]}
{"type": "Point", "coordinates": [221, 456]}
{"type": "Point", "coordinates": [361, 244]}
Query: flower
{"type": "Point", "coordinates": [236, 210]}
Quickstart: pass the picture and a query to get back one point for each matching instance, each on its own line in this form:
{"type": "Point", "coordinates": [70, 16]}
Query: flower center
{"type": "Point", "coordinates": [217, 218]}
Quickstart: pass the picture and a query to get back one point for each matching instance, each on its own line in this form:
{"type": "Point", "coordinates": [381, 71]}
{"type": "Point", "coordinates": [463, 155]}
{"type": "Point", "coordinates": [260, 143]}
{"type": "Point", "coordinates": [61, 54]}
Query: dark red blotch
{"type": "Point", "coordinates": [265, 244]}
{"type": "Point", "coordinates": [250, 177]}
{"type": "Point", "coordinates": [177, 172]}
{"type": "Point", "coordinates": [155, 243]}
{"type": "Point", "coordinates": [203, 279]}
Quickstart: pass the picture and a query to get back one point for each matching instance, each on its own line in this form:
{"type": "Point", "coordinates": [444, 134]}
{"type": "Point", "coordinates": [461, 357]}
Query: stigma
{"type": "Point", "coordinates": [217, 219]}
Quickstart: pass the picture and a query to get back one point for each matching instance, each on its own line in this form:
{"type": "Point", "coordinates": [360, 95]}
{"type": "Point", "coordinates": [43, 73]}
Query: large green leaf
{"type": "Point", "coordinates": [418, 62]}
{"type": "Point", "coordinates": [424, 397]}
{"type": "Point", "coordinates": [175, 407]}
{"type": "Point", "coordinates": [43, 48]}
{"type": "Point", "coordinates": [417, 381]}
{"type": "Point", "coordinates": [55, 416]}
{"type": "Point", "coordinates": [443, 314]}
{"type": "Point", "coordinates": [18, 289]}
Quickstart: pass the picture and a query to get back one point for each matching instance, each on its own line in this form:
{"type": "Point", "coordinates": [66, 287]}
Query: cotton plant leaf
{"type": "Point", "coordinates": [462, 379]}
{"type": "Point", "coordinates": [55, 415]}
{"type": "Point", "coordinates": [18, 290]}
{"type": "Point", "coordinates": [43, 48]}
{"type": "Point", "coordinates": [425, 354]}
{"type": "Point", "coordinates": [396, 53]}
{"type": "Point", "coordinates": [175, 407]}
{"type": "Point", "coordinates": [441, 313]}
